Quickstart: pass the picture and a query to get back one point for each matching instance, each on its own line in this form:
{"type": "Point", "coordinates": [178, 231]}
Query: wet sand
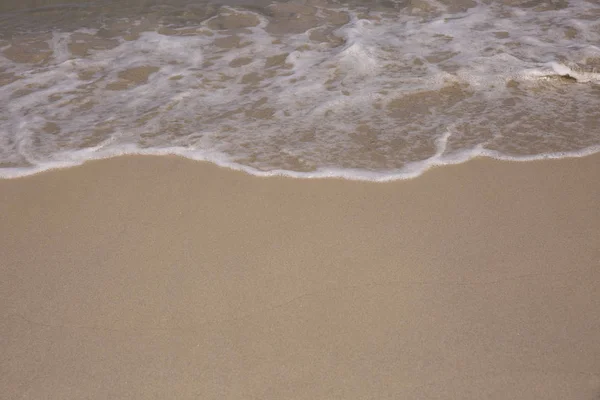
{"type": "Point", "coordinates": [148, 277]}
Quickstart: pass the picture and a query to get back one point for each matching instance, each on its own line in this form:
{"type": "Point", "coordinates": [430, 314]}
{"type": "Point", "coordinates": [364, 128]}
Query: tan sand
{"type": "Point", "coordinates": [162, 278]}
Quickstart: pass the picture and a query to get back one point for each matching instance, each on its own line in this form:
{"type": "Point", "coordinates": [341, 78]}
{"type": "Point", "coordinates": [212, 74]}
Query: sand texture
{"type": "Point", "coordinates": [163, 278]}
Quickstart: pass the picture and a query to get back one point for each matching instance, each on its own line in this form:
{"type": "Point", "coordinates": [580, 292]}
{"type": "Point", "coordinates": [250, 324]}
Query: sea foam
{"type": "Point", "coordinates": [322, 90]}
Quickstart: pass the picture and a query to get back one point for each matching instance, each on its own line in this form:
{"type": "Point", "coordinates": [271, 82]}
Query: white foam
{"type": "Point", "coordinates": [376, 101]}
{"type": "Point", "coordinates": [411, 171]}
{"type": "Point", "coordinates": [580, 76]}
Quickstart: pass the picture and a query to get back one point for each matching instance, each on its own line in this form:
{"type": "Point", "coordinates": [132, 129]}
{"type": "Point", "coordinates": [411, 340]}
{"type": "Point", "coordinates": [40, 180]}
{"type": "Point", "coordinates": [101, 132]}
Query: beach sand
{"type": "Point", "coordinates": [160, 277]}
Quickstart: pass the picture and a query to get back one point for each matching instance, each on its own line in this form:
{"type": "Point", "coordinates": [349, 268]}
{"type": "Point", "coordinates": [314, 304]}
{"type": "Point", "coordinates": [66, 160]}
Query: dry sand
{"type": "Point", "coordinates": [146, 277]}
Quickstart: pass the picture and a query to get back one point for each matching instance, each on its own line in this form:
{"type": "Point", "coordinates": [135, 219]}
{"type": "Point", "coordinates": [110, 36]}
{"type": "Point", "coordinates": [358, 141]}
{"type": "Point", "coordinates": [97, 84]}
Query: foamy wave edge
{"type": "Point", "coordinates": [412, 170]}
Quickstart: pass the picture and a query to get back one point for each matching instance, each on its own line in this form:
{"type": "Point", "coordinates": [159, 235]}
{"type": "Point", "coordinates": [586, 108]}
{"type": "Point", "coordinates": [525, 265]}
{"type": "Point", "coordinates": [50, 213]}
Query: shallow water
{"type": "Point", "coordinates": [364, 90]}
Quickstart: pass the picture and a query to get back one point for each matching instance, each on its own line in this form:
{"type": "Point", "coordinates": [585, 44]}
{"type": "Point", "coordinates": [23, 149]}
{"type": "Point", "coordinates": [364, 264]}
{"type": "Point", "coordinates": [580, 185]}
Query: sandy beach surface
{"type": "Point", "coordinates": [164, 278]}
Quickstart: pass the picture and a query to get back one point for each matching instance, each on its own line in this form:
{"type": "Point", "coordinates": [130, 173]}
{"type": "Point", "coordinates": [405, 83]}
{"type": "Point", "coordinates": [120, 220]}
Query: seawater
{"type": "Point", "coordinates": [373, 90]}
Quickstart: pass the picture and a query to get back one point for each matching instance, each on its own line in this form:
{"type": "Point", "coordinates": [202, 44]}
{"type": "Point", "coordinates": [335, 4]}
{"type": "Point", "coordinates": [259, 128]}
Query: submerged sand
{"type": "Point", "coordinates": [159, 277]}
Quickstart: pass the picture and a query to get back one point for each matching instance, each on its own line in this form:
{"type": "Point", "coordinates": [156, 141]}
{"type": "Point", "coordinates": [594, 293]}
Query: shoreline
{"type": "Point", "coordinates": [349, 174]}
{"type": "Point", "coordinates": [142, 276]}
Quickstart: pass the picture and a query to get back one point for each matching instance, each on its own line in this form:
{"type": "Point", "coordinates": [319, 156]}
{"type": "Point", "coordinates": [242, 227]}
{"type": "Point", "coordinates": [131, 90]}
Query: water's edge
{"type": "Point", "coordinates": [410, 172]}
